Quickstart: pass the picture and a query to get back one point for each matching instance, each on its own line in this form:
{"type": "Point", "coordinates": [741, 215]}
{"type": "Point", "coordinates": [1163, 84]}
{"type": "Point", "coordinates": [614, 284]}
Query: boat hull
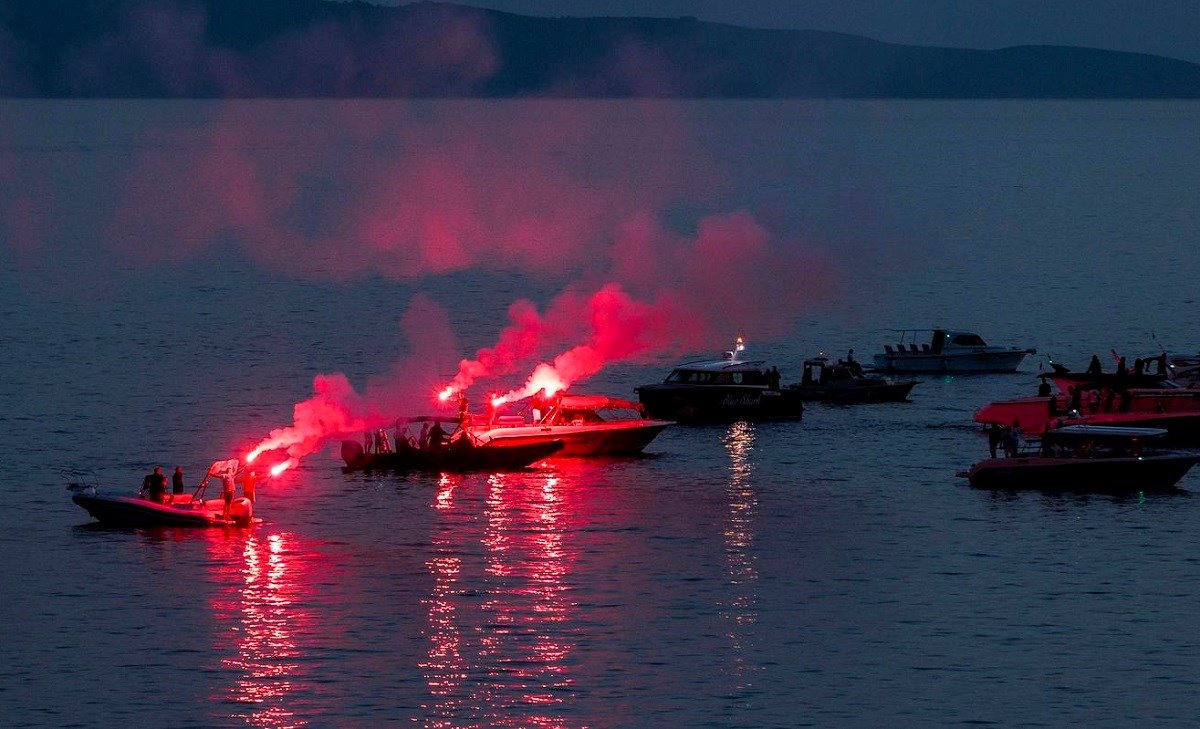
{"type": "Point", "coordinates": [450, 458]}
{"type": "Point", "coordinates": [603, 439]}
{"type": "Point", "coordinates": [1101, 475]}
{"type": "Point", "coordinates": [138, 512]}
{"type": "Point", "coordinates": [981, 362]}
{"type": "Point", "coordinates": [716, 404]}
{"type": "Point", "coordinates": [857, 391]}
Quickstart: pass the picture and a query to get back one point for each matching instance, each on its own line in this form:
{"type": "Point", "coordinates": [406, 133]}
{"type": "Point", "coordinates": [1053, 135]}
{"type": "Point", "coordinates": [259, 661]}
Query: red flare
{"type": "Point", "coordinates": [279, 468]}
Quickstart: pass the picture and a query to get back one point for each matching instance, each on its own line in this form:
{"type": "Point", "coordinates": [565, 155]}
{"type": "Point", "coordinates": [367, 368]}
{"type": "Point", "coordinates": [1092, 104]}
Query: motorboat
{"type": "Point", "coordinates": [1174, 409]}
{"type": "Point", "coordinates": [587, 425]}
{"type": "Point", "coordinates": [724, 390]}
{"type": "Point", "coordinates": [948, 351]}
{"type": "Point", "coordinates": [845, 381]}
{"type": "Point", "coordinates": [1087, 458]}
{"type": "Point", "coordinates": [176, 510]}
{"type": "Point", "coordinates": [450, 449]}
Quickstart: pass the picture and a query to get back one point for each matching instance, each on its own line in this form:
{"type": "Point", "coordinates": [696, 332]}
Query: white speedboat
{"type": "Point", "coordinates": [948, 351]}
{"type": "Point", "coordinates": [586, 425]}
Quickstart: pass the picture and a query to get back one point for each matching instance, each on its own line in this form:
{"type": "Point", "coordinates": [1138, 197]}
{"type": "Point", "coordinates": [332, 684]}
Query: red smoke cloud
{"type": "Point", "coordinates": [701, 291]}
{"type": "Point", "coordinates": [337, 409]}
{"type": "Point", "coordinates": [572, 194]}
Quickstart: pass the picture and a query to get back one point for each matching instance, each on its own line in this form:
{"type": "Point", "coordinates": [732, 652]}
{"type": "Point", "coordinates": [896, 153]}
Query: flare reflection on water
{"type": "Point", "coordinates": [259, 578]}
{"type": "Point", "coordinates": [741, 610]}
{"type": "Point", "coordinates": [498, 647]}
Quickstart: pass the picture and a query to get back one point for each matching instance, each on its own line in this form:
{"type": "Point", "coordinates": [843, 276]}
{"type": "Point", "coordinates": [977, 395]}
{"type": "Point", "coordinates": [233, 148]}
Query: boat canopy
{"type": "Point", "coordinates": [1103, 431]}
{"type": "Point", "coordinates": [596, 402]}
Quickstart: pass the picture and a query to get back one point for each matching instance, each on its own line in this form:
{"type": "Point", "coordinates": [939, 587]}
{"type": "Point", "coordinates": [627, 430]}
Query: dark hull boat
{"type": "Point", "coordinates": [177, 510]}
{"type": "Point", "coordinates": [1088, 458]}
{"type": "Point", "coordinates": [845, 383]}
{"type": "Point", "coordinates": [721, 391]}
{"type": "Point", "coordinates": [135, 511]}
{"type": "Point", "coordinates": [1108, 475]}
{"type": "Point", "coordinates": [719, 404]}
{"type": "Point", "coordinates": [458, 456]}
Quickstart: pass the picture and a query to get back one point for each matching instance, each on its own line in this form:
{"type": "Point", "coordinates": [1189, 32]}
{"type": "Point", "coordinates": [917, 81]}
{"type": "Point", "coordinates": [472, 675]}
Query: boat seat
{"type": "Point", "coordinates": [924, 347]}
{"type": "Point", "coordinates": [888, 348]}
{"type": "Point", "coordinates": [913, 348]}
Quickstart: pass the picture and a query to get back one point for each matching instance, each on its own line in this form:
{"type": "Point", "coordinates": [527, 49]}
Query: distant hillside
{"type": "Point", "coordinates": [314, 48]}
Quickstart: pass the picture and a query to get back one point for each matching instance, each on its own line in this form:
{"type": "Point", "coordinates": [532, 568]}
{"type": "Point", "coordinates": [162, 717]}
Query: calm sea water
{"type": "Point", "coordinates": [831, 572]}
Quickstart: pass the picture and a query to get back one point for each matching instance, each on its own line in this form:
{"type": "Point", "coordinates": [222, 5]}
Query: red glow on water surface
{"type": "Point", "coordinates": [513, 668]}
{"type": "Point", "coordinates": [261, 579]}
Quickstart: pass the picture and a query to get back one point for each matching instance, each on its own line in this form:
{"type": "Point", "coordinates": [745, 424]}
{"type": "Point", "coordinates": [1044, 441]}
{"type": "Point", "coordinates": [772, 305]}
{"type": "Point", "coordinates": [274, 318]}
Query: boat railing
{"type": "Point", "coordinates": [80, 479]}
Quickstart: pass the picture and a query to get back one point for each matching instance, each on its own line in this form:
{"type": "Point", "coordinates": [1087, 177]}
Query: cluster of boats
{"type": "Point", "coordinates": [1104, 432]}
{"type": "Point", "coordinates": [1099, 431]}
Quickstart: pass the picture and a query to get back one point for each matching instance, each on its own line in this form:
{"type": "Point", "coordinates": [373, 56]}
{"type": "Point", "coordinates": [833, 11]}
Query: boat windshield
{"type": "Point", "coordinates": [968, 340]}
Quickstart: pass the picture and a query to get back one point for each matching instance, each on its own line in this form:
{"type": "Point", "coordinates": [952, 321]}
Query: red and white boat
{"type": "Point", "coordinates": [587, 425]}
{"type": "Point", "coordinates": [1176, 410]}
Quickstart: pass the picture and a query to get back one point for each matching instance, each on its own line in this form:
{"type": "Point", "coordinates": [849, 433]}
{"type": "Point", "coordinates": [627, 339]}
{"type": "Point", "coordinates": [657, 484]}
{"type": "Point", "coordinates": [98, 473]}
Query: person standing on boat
{"type": "Point", "coordinates": [437, 437]}
{"type": "Point", "coordinates": [1094, 366]}
{"type": "Point", "coordinates": [773, 378]}
{"type": "Point", "coordinates": [1012, 440]}
{"type": "Point", "coordinates": [1044, 389]}
{"type": "Point", "coordinates": [853, 365]}
{"type": "Point", "coordinates": [995, 433]}
{"type": "Point", "coordinates": [248, 483]}
{"type": "Point", "coordinates": [155, 485]}
{"type": "Point", "coordinates": [226, 492]}
{"type": "Point", "coordinates": [463, 415]}
{"type": "Point", "coordinates": [177, 481]}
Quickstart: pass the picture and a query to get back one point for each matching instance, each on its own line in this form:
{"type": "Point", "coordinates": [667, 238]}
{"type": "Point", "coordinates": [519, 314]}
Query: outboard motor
{"type": "Point", "coordinates": [241, 510]}
{"type": "Point", "coordinates": [352, 452]}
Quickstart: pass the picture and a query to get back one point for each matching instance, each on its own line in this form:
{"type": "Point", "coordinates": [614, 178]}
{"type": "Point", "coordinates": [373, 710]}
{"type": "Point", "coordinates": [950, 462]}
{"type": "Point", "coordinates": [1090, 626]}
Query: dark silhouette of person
{"type": "Point", "coordinates": [1094, 366]}
{"type": "Point", "coordinates": [773, 378]}
{"type": "Point", "coordinates": [437, 436]}
{"type": "Point", "coordinates": [155, 485]}
{"type": "Point", "coordinates": [177, 481]}
{"type": "Point", "coordinates": [1044, 389]}
{"type": "Point", "coordinates": [463, 416]}
{"type": "Point", "coordinates": [1139, 367]}
{"type": "Point", "coordinates": [853, 365]}
{"type": "Point", "coordinates": [995, 434]}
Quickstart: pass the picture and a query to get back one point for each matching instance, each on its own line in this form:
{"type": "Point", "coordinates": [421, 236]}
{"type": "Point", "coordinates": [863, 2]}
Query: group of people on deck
{"type": "Point", "coordinates": [432, 438]}
{"type": "Point", "coordinates": [1008, 436]}
{"type": "Point", "coordinates": [154, 486]}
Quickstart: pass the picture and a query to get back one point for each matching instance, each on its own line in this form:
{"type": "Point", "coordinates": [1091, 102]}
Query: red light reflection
{"type": "Point", "coordinates": [260, 578]}
{"type": "Point", "coordinates": [741, 611]}
{"type": "Point", "coordinates": [513, 670]}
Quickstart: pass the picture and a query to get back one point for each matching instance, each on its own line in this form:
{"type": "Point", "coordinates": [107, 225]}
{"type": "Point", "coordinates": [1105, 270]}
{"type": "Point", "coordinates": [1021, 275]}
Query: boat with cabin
{"type": "Point", "coordinates": [845, 382]}
{"type": "Point", "coordinates": [175, 510]}
{"type": "Point", "coordinates": [948, 351]}
{"type": "Point", "coordinates": [724, 390]}
{"type": "Point", "coordinates": [1088, 458]}
{"type": "Point", "coordinates": [587, 425]}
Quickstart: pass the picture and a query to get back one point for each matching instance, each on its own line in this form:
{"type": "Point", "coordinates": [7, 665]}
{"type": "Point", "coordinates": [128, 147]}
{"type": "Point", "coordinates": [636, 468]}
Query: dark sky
{"type": "Point", "coordinates": [1162, 27]}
